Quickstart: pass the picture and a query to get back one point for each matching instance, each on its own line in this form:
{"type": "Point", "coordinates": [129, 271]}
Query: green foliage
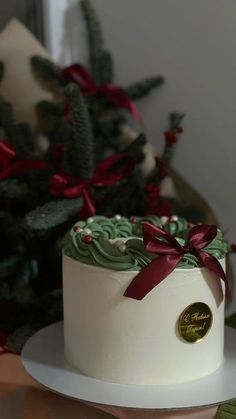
{"type": "Point", "coordinates": [227, 411]}
{"type": "Point", "coordinates": [52, 214]}
{"type": "Point", "coordinates": [140, 89]}
{"type": "Point", "coordinates": [115, 200]}
{"type": "Point", "coordinates": [12, 189]}
{"type": "Point", "coordinates": [33, 223]}
{"type": "Point", "coordinates": [175, 120]}
{"type": "Point", "coordinates": [101, 65]}
{"type": "Point", "coordinates": [22, 139]}
{"type": "Point", "coordinates": [6, 116]}
{"type": "Point", "coordinates": [106, 67]}
{"type": "Point", "coordinates": [48, 73]}
{"type": "Point", "coordinates": [80, 155]}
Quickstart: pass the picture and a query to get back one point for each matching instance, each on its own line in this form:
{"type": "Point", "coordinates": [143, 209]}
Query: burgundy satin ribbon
{"type": "Point", "coordinates": [170, 253]}
{"type": "Point", "coordinates": [9, 167]}
{"type": "Point", "coordinates": [105, 174]}
{"type": "Point", "coordinates": [114, 94]}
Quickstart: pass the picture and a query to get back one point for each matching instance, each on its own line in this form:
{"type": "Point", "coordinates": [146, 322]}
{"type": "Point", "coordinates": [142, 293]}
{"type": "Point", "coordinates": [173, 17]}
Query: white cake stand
{"type": "Point", "coordinates": [43, 359]}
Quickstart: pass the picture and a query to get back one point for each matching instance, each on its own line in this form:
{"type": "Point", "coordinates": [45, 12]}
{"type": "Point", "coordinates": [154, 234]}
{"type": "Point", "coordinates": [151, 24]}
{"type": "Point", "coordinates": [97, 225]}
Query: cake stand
{"type": "Point", "coordinates": [43, 358]}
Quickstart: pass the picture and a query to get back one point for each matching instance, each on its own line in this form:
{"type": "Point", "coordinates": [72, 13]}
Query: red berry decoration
{"type": "Point", "coordinates": [87, 239]}
{"type": "Point", "coordinates": [179, 130]}
{"type": "Point", "coordinates": [77, 229]}
{"type": "Point", "coordinates": [170, 137]}
{"type": "Point", "coordinates": [133, 220]}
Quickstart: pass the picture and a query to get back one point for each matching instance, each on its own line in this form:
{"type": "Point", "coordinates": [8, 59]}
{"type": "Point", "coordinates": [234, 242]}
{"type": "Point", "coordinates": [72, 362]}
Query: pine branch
{"type": "Point", "coordinates": [105, 64]}
{"type": "Point", "coordinates": [6, 116]}
{"type": "Point", "coordinates": [47, 108]}
{"type": "Point", "coordinates": [48, 73]}
{"type": "Point", "coordinates": [9, 266]}
{"type": "Point", "coordinates": [140, 89]}
{"type": "Point", "coordinates": [1, 71]}
{"type": "Point", "coordinates": [115, 201]}
{"type": "Point", "coordinates": [52, 214]}
{"type": "Point", "coordinates": [95, 39]}
{"type": "Point", "coordinates": [13, 189]}
{"type": "Point", "coordinates": [22, 139]}
{"type": "Point", "coordinates": [80, 151]}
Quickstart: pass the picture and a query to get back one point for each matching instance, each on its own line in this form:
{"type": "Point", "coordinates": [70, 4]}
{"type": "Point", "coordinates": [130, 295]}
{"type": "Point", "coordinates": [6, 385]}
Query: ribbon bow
{"type": "Point", "coordinates": [113, 93]}
{"type": "Point", "coordinates": [9, 167]}
{"type": "Point", "coordinates": [105, 174]}
{"type": "Point", "coordinates": [170, 253]}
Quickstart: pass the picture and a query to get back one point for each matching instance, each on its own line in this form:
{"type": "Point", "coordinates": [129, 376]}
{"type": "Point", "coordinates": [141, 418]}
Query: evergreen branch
{"type": "Point", "coordinates": [22, 139]}
{"type": "Point", "coordinates": [13, 189]}
{"type": "Point", "coordinates": [1, 71]}
{"type": "Point", "coordinates": [48, 73]}
{"type": "Point", "coordinates": [105, 63]}
{"type": "Point", "coordinates": [46, 107]}
{"type": "Point", "coordinates": [95, 39]}
{"type": "Point", "coordinates": [6, 116]}
{"type": "Point", "coordinates": [52, 214]}
{"type": "Point", "coordinates": [115, 200]}
{"type": "Point", "coordinates": [80, 150]}
{"type": "Point", "coordinates": [140, 89]}
{"type": "Point", "coordinates": [8, 266]}
{"type": "Point", "coordinates": [175, 120]}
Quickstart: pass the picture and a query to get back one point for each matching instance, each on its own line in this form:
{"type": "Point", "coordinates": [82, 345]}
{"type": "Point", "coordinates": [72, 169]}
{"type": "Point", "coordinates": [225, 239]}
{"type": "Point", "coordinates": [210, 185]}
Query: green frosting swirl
{"type": "Point", "coordinates": [116, 243]}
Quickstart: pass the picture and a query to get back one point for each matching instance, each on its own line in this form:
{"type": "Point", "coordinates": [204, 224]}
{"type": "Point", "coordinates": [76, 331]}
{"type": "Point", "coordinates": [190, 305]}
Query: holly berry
{"type": "Point", "coordinates": [77, 229]}
{"type": "Point", "coordinates": [87, 239]}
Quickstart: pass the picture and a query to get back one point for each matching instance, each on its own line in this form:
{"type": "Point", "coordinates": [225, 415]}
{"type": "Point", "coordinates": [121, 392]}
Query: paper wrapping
{"type": "Point", "coordinates": [18, 86]}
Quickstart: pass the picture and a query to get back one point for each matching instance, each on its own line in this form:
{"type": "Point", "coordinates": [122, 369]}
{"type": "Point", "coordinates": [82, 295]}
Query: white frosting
{"type": "Point", "coordinates": [118, 339]}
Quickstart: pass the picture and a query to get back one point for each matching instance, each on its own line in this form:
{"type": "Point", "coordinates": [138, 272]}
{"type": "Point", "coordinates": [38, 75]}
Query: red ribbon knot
{"type": "Point", "coordinates": [107, 173]}
{"type": "Point", "coordinates": [113, 93]}
{"type": "Point", "coordinates": [170, 253]}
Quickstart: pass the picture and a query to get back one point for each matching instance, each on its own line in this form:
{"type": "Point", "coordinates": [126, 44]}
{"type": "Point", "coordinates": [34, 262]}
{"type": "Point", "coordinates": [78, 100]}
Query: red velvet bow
{"type": "Point", "coordinates": [114, 94]}
{"type": "Point", "coordinates": [9, 167]}
{"type": "Point", "coordinates": [105, 174]}
{"type": "Point", "coordinates": [170, 253]}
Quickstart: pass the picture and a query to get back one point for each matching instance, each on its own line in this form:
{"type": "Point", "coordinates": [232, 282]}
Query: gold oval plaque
{"type": "Point", "coordinates": [195, 322]}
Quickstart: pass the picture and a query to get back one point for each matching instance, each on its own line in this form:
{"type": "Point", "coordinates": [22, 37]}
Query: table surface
{"type": "Point", "coordinates": [22, 398]}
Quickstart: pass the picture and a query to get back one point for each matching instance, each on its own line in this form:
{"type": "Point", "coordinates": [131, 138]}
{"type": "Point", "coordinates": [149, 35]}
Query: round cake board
{"type": "Point", "coordinates": [43, 358]}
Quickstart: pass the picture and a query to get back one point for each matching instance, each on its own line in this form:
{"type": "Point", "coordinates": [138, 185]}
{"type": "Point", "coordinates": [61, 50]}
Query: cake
{"type": "Point", "coordinates": [172, 333]}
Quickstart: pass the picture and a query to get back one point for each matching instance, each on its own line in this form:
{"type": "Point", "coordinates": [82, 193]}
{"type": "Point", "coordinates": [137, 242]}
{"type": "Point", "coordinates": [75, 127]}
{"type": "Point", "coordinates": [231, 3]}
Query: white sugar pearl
{"type": "Point", "coordinates": [90, 220]}
{"type": "Point", "coordinates": [122, 248]}
{"type": "Point", "coordinates": [87, 231]}
{"type": "Point", "coordinates": [174, 218]}
{"type": "Point", "coordinates": [117, 217]}
{"type": "Point", "coordinates": [119, 243]}
{"type": "Point", "coordinates": [164, 220]}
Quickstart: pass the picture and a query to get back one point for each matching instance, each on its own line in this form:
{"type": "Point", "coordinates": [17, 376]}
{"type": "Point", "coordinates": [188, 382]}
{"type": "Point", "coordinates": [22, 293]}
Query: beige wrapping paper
{"type": "Point", "coordinates": [18, 86]}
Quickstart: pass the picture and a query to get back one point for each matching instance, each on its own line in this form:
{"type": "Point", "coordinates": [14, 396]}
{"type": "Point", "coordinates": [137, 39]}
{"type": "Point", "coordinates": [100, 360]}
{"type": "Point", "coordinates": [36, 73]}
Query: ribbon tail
{"type": "Point", "coordinates": [214, 265]}
{"type": "Point", "coordinates": [89, 206]}
{"type": "Point", "coordinates": [152, 275]}
{"type": "Point", "coordinates": [117, 96]}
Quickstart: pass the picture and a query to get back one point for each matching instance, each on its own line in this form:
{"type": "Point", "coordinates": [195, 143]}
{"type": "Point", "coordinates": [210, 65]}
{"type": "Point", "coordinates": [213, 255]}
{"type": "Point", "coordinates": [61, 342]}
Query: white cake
{"type": "Point", "coordinates": [119, 339]}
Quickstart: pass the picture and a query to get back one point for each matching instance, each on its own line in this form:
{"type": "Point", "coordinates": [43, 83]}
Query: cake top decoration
{"type": "Point", "coordinates": [117, 243]}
